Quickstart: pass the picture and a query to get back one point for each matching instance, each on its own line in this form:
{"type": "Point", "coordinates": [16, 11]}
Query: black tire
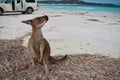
{"type": "Point", "coordinates": [1, 11]}
{"type": "Point", "coordinates": [23, 12]}
{"type": "Point", "coordinates": [29, 10]}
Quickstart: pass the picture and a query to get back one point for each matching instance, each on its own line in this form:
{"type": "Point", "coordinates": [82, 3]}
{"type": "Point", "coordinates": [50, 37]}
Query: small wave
{"type": "Point", "coordinates": [85, 8]}
{"type": "Point", "coordinates": [79, 7]}
{"type": "Point", "coordinates": [88, 8]}
{"type": "Point", "coordinates": [59, 7]}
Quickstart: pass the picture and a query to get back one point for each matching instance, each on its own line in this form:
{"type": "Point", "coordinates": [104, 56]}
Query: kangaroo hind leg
{"type": "Point", "coordinates": [45, 62]}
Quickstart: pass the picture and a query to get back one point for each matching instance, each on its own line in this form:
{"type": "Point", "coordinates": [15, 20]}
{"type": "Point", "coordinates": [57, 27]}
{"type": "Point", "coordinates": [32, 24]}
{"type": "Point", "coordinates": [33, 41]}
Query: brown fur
{"type": "Point", "coordinates": [38, 46]}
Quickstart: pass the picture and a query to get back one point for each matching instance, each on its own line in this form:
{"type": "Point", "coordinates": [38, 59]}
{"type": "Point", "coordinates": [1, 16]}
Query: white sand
{"type": "Point", "coordinates": [70, 32]}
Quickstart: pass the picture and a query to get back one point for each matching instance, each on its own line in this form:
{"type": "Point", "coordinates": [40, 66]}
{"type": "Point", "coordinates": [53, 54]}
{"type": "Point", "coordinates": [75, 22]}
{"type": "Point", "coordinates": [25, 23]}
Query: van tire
{"type": "Point", "coordinates": [1, 11]}
{"type": "Point", "coordinates": [29, 10]}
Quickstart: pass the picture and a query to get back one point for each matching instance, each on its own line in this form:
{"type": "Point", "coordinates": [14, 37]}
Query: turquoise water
{"type": "Point", "coordinates": [79, 7]}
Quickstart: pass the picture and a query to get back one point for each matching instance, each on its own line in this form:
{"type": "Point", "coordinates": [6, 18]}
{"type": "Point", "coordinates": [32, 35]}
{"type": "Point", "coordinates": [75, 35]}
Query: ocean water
{"type": "Point", "coordinates": [75, 7]}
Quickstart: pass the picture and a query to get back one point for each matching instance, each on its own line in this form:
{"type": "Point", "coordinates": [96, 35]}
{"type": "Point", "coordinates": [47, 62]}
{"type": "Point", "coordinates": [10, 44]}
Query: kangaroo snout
{"type": "Point", "coordinates": [43, 18]}
{"type": "Point", "coordinates": [46, 17]}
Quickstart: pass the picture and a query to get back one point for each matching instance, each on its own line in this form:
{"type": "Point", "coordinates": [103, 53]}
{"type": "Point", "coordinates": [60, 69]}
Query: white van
{"type": "Point", "coordinates": [24, 6]}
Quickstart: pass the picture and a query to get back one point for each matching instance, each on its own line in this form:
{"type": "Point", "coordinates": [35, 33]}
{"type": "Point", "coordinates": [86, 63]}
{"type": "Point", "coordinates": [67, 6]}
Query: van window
{"type": "Point", "coordinates": [1, 1]}
{"type": "Point", "coordinates": [30, 0]}
{"type": "Point", "coordinates": [8, 1]}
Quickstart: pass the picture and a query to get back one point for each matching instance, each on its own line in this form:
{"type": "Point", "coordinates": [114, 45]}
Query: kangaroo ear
{"type": "Point", "coordinates": [26, 22]}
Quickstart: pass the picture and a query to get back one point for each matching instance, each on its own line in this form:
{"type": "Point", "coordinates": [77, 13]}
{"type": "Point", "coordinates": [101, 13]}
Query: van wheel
{"type": "Point", "coordinates": [29, 10]}
{"type": "Point", "coordinates": [1, 11]}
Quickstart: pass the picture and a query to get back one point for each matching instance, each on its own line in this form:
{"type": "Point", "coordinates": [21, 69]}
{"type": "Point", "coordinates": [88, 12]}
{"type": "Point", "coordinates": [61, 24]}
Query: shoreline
{"type": "Point", "coordinates": [75, 7]}
{"type": "Point", "coordinates": [98, 32]}
{"type": "Point", "coordinates": [79, 3]}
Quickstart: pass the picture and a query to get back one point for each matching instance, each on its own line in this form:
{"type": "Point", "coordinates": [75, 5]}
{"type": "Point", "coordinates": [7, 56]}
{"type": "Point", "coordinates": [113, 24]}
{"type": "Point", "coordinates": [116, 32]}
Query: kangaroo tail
{"type": "Point", "coordinates": [53, 60]}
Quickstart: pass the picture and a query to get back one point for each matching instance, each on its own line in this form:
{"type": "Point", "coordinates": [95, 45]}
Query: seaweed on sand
{"type": "Point", "coordinates": [15, 65]}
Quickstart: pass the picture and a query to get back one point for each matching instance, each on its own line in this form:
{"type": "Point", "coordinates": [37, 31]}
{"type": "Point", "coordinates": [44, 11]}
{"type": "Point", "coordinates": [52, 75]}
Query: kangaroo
{"type": "Point", "coordinates": [38, 46]}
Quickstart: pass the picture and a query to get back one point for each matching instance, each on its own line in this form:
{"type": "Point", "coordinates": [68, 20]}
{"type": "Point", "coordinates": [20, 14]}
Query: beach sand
{"type": "Point", "coordinates": [69, 32]}
{"type": "Point", "coordinates": [91, 40]}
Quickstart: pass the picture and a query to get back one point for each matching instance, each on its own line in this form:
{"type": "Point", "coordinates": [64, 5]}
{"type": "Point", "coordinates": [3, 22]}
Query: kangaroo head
{"type": "Point", "coordinates": [37, 22]}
